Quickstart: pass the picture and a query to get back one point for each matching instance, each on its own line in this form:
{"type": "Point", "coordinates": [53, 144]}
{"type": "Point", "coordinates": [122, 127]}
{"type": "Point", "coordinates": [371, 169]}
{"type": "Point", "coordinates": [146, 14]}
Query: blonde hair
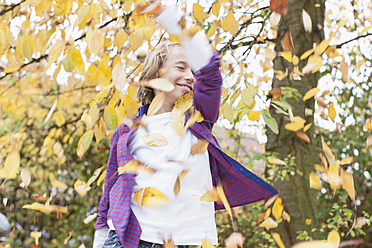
{"type": "Point", "coordinates": [151, 65]}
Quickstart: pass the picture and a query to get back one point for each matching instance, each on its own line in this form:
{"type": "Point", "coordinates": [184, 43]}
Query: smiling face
{"type": "Point", "coordinates": [178, 72]}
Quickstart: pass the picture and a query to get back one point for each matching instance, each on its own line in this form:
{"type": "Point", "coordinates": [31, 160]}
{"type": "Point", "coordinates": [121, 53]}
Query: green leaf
{"type": "Point", "coordinates": [110, 117]}
{"type": "Point", "coordinates": [84, 143]}
{"type": "Point", "coordinates": [270, 121]}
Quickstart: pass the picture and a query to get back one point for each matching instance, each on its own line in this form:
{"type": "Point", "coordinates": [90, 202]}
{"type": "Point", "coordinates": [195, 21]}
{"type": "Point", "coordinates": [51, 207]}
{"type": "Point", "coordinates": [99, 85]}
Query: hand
{"type": "Point", "coordinates": [154, 7]}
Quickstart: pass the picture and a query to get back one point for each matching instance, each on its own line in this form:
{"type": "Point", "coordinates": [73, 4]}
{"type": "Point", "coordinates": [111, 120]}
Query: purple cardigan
{"type": "Point", "coordinates": [240, 185]}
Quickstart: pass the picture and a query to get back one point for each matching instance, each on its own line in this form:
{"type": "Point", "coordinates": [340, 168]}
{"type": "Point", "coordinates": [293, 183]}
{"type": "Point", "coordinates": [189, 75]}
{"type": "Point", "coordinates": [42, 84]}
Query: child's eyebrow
{"type": "Point", "coordinates": [181, 62]}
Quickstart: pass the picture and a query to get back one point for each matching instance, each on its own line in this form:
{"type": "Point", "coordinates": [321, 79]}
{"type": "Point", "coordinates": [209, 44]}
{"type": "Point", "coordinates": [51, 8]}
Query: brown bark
{"type": "Point", "coordinates": [298, 199]}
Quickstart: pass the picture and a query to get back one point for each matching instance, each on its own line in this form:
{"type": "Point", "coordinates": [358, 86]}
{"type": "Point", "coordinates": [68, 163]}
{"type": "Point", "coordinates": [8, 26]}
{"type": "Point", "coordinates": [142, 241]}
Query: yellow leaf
{"type": "Point", "coordinates": [278, 240]}
{"type": "Point", "coordinates": [207, 244]}
{"type": "Point", "coordinates": [95, 41]}
{"type": "Point", "coordinates": [332, 112]}
{"type": "Point", "coordinates": [26, 178]}
{"type": "Point", "coordinates": [77, 60]}
{"type": "Point", "coordinates": [195, 117]}
{"type": "Point", "coordinates": [310, 93]}
{"type": "Point", "coordinates": [334, 176]}
{"type": "Point", "coordinates": [11, 165]}
{"type": "Point", "coordinates": [308, 222]}
{"type": "Point", "coordinates": [177, 122]}
{"type": "Point", "coordinates": [275, 161]}
{"type": "Point", "coordinates": [315, 181]}
{"type": "Point", "coordinates": [227, 112]}
{"type": "Point", "coordinates": [368, 124]}
{"type": "Point", "coordinates": [46, 208]}
{"type": "Point", "coordinates": [229, 23]}
{"type": "Point", "coordinates": [294, 126]}
{"type": "Point", "coordinates": [287, 56]}
{"type": "Point", "coordinates": [234, 240]}
{"type": "Point", "coordinates": [36, 236]}
{"type": "Point", "coordinates": [277, 208]}
{"type": "Point", "coordinates": [365, 29]}
{"type": "Point", "coordinates": [28, 47]}
{"type": "Point", "coordinates": [269, 223]}
{"type": "Point", "coordinates": [223, 199]}
{"type": "Point", "coordinates": [99, 130]}
{"type": "Point", "coordinates": [81, 187]}
{"type": "Point", "coordinates": [270, 201]}
{"type": "Point", "coordinates": [84, 143]}
{"type": "Point", "coordinates": [134, 166]}
{"type": "Point", "coordinates": [184, 102]}
{"type": "Point", "coordinates": [334, 237]}
{"type": "Point", "coordinates": [101, 177]}
{"type": "Point", "coordinates": [342, 23]}
{"type": "Point", "coordinates": [322, 47]}
{"type": "Point", "coordinates": [120, 38]}
{"type": "Point", "coordinates": [155, 139]}
{"type": "Point", "coordinates": [198, 12]}
{"type": "Point", "coordinates": [286, 216]}
{"type": "Point", "coordinates": [212, 29]}
{"type": "Point", "coordinates": [254, 115]}
{"type": "Point", "coordinates": [306, 54]}
{"type": "Point", "coordinates": [216, 6]}
{"type": "Point", "coordinates": [156, 104]}
{"type": "Point", "coordinates": [307, 127]}
{"type": "Point", "coordinates": [161, 84]}
{"type": "Point", "coordinates": [199, 147]}
{"type": "Point", "coordinates": [327, 150]}
{"type": "Point", "coordinates": [58, 184]}
{"type": "Point", "coordinates": [152, 197]}
{"type": "Point", "coordinates": [348, 184]}
{"type": "Point", "coordinates": [110, 117]}
{"type": "Point", "coordinates": [11, 68]}
{"type": "Point", "coordinates": [94, 176]}
{"type": "Point", "coordinates": [248, 95]}
{"type": "Point", "coordinates": [347, 160]}
{"type": "Point", "coordinates": [90, 218]}
{"type": "Point", "coordinates": [210, 196]}
{"type": "Point", "coordinates": [131, 106]}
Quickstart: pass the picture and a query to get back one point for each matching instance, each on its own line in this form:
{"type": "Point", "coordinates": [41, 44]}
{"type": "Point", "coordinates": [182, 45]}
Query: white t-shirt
{"type": "Point", "coordinates": [185, 219]}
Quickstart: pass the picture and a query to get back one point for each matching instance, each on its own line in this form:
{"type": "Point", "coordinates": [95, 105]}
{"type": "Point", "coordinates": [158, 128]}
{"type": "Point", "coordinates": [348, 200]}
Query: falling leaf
{"type": "Point", "coordinates": [327, 150]}
{"type": "Point", "coordinates": [254, 115]}
{"type": "Point", "coordinates": [155, 139]}
{"type": "Point", "coordinates": [90, 218]}
{"type": "Point", "coordinates": [161, 84]}
{"type": "Point", "coordinates": [274, 94]}
{"type": "Point", "coordinates": [46, 208]}
{"type": "Point", "coordinates": [177, 122]}
{"type": "Point", "coordinates": [334, 178]}
{"type": "Point", "coordinates": [210, 196]}
{"type": "Point", "coordinates": [347, 160]}
{"type": "Point", "coordinates": [274, 19]}
{"type": "Point", "coordinates": [207, 244]}
{"type": "Point", "coordinates": [168, 244]}
{"type": "Point", "coordinates": [296, 125]}
{"type": "Point", "coordinates": [101, 178]}
{"type": "Point", "coordinates": [286, 41]}
{"type": "Point", "coordinates": [229, 23]}
{"type": "Point", "coordinates": [269, 223]}
{"type": "Point", "coordinates": [334, 237]}
{"type": "Point", "coordinates": [309, 68]}
{"type": "Point", "coordinates": [270, 201]}
{"type": "Point", "coordinates": [94, 176]}
{"type": "Point", "coordinates": [156, 104]}
{"type": "Point", "coordinates": [279, 6]}
{"type": "Point", "coordinates": [84, 143]}
{"type": "Point", "coordinates": [368, 124]}
{"type": "Point", "coordinates": [278, 240]}
{"type": "Point", "coordinates": [199, 147]}
{"type": "Point", "coordinates": [39, 197]}
{"type": "Point", "coordinates": [154, 8]}
{"type": "Point", "coordinates": [331, 112]}
{"type": "Point", "coordinates": [11, 165]}
{"type": "Point", "coordinates": [307, 54]}
{"type": "Point", "coordinates": [315, 181]}
{"type": "Point", "coordinates": [348, 184]}
{"type": "Point", "coordinates": [134, 166]}
{"type": "Point", "coordinates": [36, 236]}
{"type": "Point", "coordinates": [307, 127]}
{"type": "Point", "coordinates": [322, 47]}
{"type": "Point", "coordinates": [223, 199]}
{"type": "Point", "coordinates": [235, 240]}
{"type": "Point", "coordinates": [303, 136]}
{"type": "Point", "coordinates": [153, 198]}
{"type": "Point", "coordinates": [308, 222]}
{"type": "Point", "coordinates": [58, 184]}
{"type": "Point", "coordinates": [81, 187]}
{"type": "Point", "coordinates": [286, 216]}
{"type": "Point", "coordinates": [26, 178]}
{"type": "Point", "coordinates": [306, 20]}
{"type": "Point", "coordinates": [275, 161]}
{"type": "Point", "coordinates": [310, 93]}
{"type": "Point", "coordinates": [277, 208]}
{"type": "Point", "coordinates": [177, 186]}
{"type": "Point", "coordinates": [184, 102]}
{"type": "Point", "coordinates": [344, 69]}
{"type": "Point", "coordinates": [287, 56]}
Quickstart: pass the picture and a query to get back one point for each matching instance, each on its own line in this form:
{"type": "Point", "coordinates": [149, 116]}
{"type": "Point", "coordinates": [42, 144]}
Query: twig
{"type": "Point", "coordinates": [356, 38]}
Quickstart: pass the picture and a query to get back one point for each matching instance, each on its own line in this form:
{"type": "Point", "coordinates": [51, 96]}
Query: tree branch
{"type": "Point", "coordinates": [10, 7]}
{"type": "Point", "coordinates": [356, 38]}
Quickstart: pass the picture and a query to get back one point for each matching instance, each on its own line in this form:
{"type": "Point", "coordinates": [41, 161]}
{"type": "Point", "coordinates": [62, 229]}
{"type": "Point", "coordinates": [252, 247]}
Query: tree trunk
{"type": "Point", "coordinates": [298, 199]}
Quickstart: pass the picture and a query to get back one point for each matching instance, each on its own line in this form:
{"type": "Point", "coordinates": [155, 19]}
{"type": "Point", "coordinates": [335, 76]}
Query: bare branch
{"type": "Point", "coordinates": [356, 38]}
{"type": "Point", "coordinates": [10, 7]}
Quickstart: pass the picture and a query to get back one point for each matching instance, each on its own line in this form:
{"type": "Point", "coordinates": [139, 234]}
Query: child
{"type": "Point", "coordinates": [177, 215]}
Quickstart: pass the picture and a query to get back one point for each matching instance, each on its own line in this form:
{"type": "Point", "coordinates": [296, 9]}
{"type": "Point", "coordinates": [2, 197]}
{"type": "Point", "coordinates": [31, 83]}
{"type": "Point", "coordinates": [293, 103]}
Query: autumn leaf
{"type": "Point", "coordinates": [198, 12]}
{"type": "Point", "coordinates": [348, 184]}
{"type": "Point", "coordinates": [254, 115]}
{"type": "Point", "coordinates": [306, 21]}
{"type": "Point", "coordinates": [303, 136]}
{"type": "Point", "coordinates": [275, 161]}
{"type": "Point", "coordinates": [199, 147]}
{"type": "Point", "coordinates": [11, 165]}
{"type": "Point", "coordinates": [46, 208]}
{"type": "Point", "coordinates": [270, 201]}
{"type": "Point", "coordinates": [334, 178]}
{"type": "Point", "coordinates": [184, 102]}
{"type": "Point", "coordinates": [334, 237]}
{"type": "Point", "coordinates": [278, 239]}
{"type": "Point", "coordinates": [26, 177]}
{"type": "Point", "coordinates": [84, 143]}
{"type": "Point", "coordinates": [347, 160]}
{"type": "Point", "coordinates": [235, 240]}
{"type": "Point", "coordinates": [134, 166]}
{"type": "Point", "coordinates": [81, 187]}
{"type": "Point", "coordinates": [223, 199]}
{"type": "Point", "coordinates": [279, 6]}
{"type": "Point", "coordinates": [58, 184]}
{"type": "Point", "coordinates": [278, 208]}
{"type": "Point", "coordinates": [315, 181]}
{"type": "Point", "coordinates": [94, 176]}
{"type": "Point", "coordinates": [270, 121]}
{"type": "Point", "coordinates": [150, 197]}
{"type": "Point", "coordinates": [155, 139]}
{"type": "Point", "coordinates": [36, 236]}
{"type": "Point", "coordinates": [229, 23]}
{"type": "Point", "coordinates": [368, 125]}
{"type": "Point", "coordinates": [344, 69]}
{"type": "Point", "coordinates": [310, 93]}
{"type": "Point", "coordinates": [331, 112]}
{"type": "Point", "coordinates": [210, 196]}
{"type": "Point", "coordinates": [286, 41]}
{"type": "Point", "coordinates": [274, 94]}
{"type": "Point", "coordinates": [248, 95]}
{"type": "Point", "coordinates": [207, 244]}
{"type": "Point", "coordinates": [161, 84]}
{"type": "Point", "coordinates": [89, 218]}
{"type": "Point", "coordinates": [296, 125]}
{"type": "Point", "coordinates": [269, 223]}
{"type": "Point", "coordinates": [286, 216]}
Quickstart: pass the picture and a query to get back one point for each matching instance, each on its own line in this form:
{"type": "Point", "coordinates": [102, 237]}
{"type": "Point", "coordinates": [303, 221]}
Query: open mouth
{"type": "Point", "coordinates": [186, 87]}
